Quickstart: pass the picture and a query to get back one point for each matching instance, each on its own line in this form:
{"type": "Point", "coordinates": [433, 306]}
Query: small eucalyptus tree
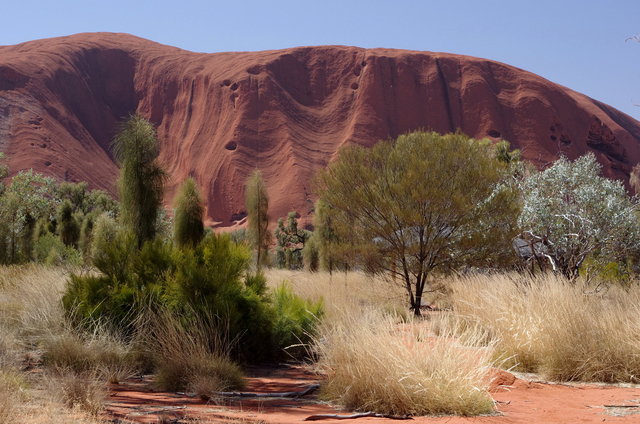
{"type": "Point", "coordinates": [420, 204]}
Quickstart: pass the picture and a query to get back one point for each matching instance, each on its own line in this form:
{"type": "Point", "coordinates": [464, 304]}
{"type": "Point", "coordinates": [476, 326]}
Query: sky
{"type": "Point", "coordinates": [580, 44]}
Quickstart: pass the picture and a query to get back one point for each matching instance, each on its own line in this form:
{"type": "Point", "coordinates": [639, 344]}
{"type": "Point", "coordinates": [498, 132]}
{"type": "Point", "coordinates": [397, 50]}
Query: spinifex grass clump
{"type": "Point", "coordinates": [193, 356]}
{"type": "Point", "coordinates": [372, 364]}
{"type": "Point", "coordinates": [564, 330]}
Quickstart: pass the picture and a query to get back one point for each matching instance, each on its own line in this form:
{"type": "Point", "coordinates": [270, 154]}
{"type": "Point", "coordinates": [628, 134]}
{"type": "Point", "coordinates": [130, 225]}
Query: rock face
{"type": "Point", "coordinates": [286, 112]}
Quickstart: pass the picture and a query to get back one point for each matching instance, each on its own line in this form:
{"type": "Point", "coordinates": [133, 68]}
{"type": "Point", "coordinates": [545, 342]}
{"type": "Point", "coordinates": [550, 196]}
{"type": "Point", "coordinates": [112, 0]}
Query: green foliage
{"type": "Point", "coordinates": [295, 320]}
{"type": "Point", "coordinates": [44, 245]}
{"type": "Point", "coordinates": [330, 255]}
{"type": "Point", "coordinates": [257, 204]}
{"type": "Point", "coordinates": [103, 235]}
{"type": "Point", "coordinates": [423, 203]}
{"type": "Point", "coordinates": [50, 250]}
{"type": "Point", "coordinates": [28, 198]}
{"type": "Point", "coordinates": [86, 234]}
{"type": "Point", "coordinates": [311, 254]}
{"type": "Point", "coordinates": [98, 201]}
{"type": "Point", "coordinates": [84, 200]}
{"type": "Point", "coordinates": [131, 279]}
{"type": "Point", "coordinates": [67, 225]}
{"type": "Point", "coordinates": [74, 193]}
{"type": "Point", "coordinates": [594, 268]}
{"type": "Point", "coordinates": [290, 241]}
{"type": "Point", "coordinates": [141, 179]}
{"type": "Point", "coordinates": [210, 279]}
{"type": "Point", "coordinates": [239, 236]}
{"type": "Point", "coordinates": [188, 226]}
{"type": "Point", "coordinates": [29, 206]}
{"type": "Point", "coordinates": [4, 172]}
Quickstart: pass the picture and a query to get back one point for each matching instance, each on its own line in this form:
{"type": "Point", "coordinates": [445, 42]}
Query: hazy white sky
{"type": "Point", "coordinates": [578, 43]}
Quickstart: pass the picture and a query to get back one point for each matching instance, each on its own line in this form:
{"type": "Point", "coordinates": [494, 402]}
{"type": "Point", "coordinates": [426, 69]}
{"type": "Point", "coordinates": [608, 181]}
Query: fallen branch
{"type": "Point", "coordinates": [621, 406]}
{"type": "Point", "coordinates": [156, 411]}
{"type": "Point", "coordinates": [319, 417]}
{"type": "Point", "coordinates": [296, 394]}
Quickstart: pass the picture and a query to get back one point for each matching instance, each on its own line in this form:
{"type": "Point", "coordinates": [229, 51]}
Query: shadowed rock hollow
{"type": "Point", "coordinates": [286, 112]}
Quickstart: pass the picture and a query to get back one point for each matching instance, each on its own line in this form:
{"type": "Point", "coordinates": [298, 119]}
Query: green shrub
{"type": "Point", "coordinates": [44, 245]}
{"type": "Point", "coordinates": [188, 226]}
{"type": "Point", "coordinates": [103, 235]}
{"type": "Point", "coordinates": [130, 280]}
{"type": "Point", "coordinates": [67, 225]}
{"type": "Point", "coordinates": [311, 254]}
{"type": "Point", "coordinates": [49, 249]}
{"type": "Point", "coordinates": [86, 234]}
{"type": "Point", "coordinates": [210, 279]}
{"type": "Point", "coordinates": [295, 320]}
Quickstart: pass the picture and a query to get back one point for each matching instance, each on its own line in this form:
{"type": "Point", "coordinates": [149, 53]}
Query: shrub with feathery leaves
{"type": "Point", "coordinates": [187, 224]}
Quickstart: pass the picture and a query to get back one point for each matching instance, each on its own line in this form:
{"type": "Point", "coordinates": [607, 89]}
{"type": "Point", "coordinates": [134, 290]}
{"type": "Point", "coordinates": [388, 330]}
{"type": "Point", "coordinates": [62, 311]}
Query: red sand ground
{"type": "Point", "coordinates": [518, 402]}
{"type": "Point", "coordinates": [287, 112]}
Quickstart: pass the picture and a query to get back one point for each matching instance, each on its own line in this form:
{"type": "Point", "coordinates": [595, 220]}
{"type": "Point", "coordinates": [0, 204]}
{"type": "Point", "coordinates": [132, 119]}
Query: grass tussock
{"type": "Point", "coordinates": [565, 331]}
{"type": "Point", "coordinates": [84, 392]}
{"type": "Point", "coordinates": [98, 354]}
{"type": "Point", "coordinates": [11, 388]}
{"type": "Point", "coordinates": [373, 365]}
{"type": "Point", "coordinates": [72, 386]}
{"type": "Point", "coordinates": [193, 356]}
{"type": "Point", "coordinates": [30, 300]}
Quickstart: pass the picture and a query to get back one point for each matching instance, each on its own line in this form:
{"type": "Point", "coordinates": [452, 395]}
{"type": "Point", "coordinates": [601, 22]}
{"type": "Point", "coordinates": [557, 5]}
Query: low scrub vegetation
{"type": "Point", "coordinates": [371, 364]}
{"type": "Point", "coordinates": [193, 356]}
{"type": "Point", "coordinates": [122, 289]}
{"type": "Point", "coordinates": [564, 330]}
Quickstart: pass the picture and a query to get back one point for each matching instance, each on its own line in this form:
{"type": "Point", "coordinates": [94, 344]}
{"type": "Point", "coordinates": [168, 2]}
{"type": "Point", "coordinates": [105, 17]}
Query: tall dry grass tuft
{"type": "Point", "coordinates": [193, 355]}
{"type": "Point", "coordinates": [11, 391]}
{"type": "Point", "coordinates": [30, 299]}
{"type": "Point", "coordinates": [32, 325]}
{"type": "Point", "coordinates": [85, 391]}
{"type": "Point", "coordinates": [372, 364]}
{"type": "Point", "coordinates": [566, 331]}
{"type": "Point", "coordinates": [98, 354]}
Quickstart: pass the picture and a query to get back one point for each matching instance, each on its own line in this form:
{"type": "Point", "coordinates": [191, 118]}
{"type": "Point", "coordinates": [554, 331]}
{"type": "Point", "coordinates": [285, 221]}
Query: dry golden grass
{"type": "Point", "coordinates": [193, 357]}
{"type": "Point", "coordinates": [376, 358]}
{"type": "Point", "coordinates": [372, 363]}
{"type": "Point", "coordinates": [565, 331]}
{"type": "Point", "coordinates": [32, 321]}
{"type": "Point", "coordinates": [98, 354]}
{"type": "Point", "coordinates": [343, 291]}
{"type": "Point", "coordinates": [30, 299]}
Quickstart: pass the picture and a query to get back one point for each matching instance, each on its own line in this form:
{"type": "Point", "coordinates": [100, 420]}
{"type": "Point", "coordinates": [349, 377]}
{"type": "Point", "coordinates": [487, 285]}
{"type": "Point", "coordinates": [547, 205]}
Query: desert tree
{"type": "Point", "coordinates": [29, 197]}
{"type": "Point", "coordinates": [188, 226]}
{"type": "Point", "coordinates": [326, 240]}
{"type": "Point", "coordinates": [421, 203]}
{"type": "Point", "coordinates": [68, 228]}
{"type": "Point", "coordinates": [571, 212]}
{"type": "Point", "coordinates": [257, 204]}
{"type": "Point", "coordinates": [141, 181]}
{"type": "Point", "coordinates": [290, 242]}
{"type": "Point", "coordinates": [4, 172]}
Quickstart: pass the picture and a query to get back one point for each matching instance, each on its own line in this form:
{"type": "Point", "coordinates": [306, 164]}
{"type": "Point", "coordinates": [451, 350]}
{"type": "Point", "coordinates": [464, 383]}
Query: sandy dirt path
{"type": "Point", "coordinates": [518, 402]}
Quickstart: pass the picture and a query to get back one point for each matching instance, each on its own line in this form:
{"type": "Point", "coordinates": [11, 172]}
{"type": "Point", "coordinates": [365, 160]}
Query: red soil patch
{"type": "Point", "coordinates": [518, 402]}
{"type": "Point", "coordinates": [286, 112]}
